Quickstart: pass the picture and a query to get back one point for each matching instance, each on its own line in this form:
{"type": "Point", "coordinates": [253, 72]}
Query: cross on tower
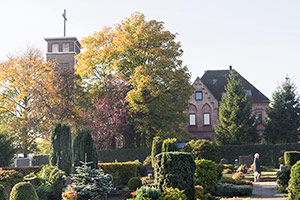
{"type": "Point", "coordinates": [65, 19]}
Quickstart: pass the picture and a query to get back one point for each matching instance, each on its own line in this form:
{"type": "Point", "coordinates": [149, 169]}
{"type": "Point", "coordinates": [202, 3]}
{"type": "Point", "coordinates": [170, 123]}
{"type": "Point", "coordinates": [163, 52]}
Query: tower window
{"type": "Point", "coordinates": [192, 119]}
{"type": "Point", "coordinates": [199, 95]}
{"type": "Point", "coordinates": [206, 117]}
{"type": "Point", "coordinates": [54, 48]}
{"type": "Point", "coordinates": [65, 47]}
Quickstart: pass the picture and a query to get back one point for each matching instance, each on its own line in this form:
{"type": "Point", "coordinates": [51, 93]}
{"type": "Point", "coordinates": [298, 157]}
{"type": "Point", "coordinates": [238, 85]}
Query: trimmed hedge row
{"type": "Point", "coordinates": [269, 153]}
{"type": "Point", "coordinates": [291, 157]}
{"type": "Point", "coordinates": [24, 170]}
{"type": "Point", "coordinates": [121, 172]}
{"type": "Point", "coordinates": [123, 155]}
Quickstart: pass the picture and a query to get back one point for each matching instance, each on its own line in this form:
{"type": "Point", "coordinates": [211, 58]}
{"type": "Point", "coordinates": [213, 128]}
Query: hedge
{"type": "Point", "coordinates": [269, 153]}
{"type": "Point", "coordinates": [123, 155]}
{"type": "Point", "coordinates": [230, 190]}
{"type": "Point", "coordinates": [121, 171]}
{"type": "Point", "coordinates": [39, 160]}
{"type": "Point", "coordinates": [291, 157]}
{"type": "Point", "coordinates": [24, 170]}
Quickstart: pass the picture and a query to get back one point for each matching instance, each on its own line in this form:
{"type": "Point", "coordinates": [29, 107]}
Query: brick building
{"type": "Point", "coordinates": [63, 50]}
{"type": "Point", "coordinates": [204, 103]}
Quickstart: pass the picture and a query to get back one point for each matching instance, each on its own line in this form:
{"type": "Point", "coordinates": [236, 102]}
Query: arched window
{"type": "Point", "coordinates": [206, 119]}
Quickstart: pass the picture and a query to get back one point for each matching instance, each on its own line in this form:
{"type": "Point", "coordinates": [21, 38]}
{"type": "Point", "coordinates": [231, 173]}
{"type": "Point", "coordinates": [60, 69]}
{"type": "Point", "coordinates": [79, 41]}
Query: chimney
{"type": "Point", "coordinates": [230, 67]}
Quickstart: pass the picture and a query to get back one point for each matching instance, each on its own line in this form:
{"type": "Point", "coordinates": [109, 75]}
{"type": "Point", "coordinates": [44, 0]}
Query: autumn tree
{"type": "Point", "coordinates": [148, 57]}
{"type": "Point", "coordinates": [19, 78]}
{"type": "Point", "coordinates": [109, 116]}
{"type": "Point", "coordinates": [236, 125]}
{"type": "Point", "coordinates": [283, 115]}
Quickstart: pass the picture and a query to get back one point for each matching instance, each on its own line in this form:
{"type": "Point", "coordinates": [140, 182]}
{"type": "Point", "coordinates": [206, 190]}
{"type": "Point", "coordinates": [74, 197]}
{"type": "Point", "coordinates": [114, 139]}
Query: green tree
{"type": "Point", "coordinates": [61, 148]}
{"type": "Point", "coordinates": [7, 150]}
{"type": "Point", "coordinates": [148, 57]}
{"type": "Point", "coordinates": [84, 149]}
{"type": "Point", "coordinates": [283, 115]}
{"type": "Point", "coordinates": [156, 148]}
{"type": "Point", "coordinates": [236, 125]}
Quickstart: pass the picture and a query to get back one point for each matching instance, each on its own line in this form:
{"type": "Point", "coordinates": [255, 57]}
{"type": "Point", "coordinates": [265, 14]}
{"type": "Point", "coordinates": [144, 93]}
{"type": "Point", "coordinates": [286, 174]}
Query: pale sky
{"type": "Point", "coordinates": [259, 38]}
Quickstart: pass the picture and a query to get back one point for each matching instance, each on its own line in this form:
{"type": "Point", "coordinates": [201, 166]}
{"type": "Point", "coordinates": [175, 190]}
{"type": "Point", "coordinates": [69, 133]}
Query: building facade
{"type": "Point", "coordinates": [203, 111]}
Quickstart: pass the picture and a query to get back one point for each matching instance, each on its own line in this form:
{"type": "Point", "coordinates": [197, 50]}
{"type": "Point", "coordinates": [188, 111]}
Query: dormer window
{"type": "Point", "coordinates": [54, 48]}
{"type": "Point", "coordinates": [65, 47]}
{"type": "Point", "coordinates": [199, 95]}
{"type": "Point", "coordinates": [248, 93]}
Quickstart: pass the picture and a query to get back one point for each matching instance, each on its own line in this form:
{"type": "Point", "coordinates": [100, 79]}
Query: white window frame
{"type": "Point", "coordinates": [55, 48]}
{"type": "Point", "coordinates": [65, 49]}
{"type": "Point", "coordinates": [206, 119]}
{"type": "Point", "coordinates": [192, 119]}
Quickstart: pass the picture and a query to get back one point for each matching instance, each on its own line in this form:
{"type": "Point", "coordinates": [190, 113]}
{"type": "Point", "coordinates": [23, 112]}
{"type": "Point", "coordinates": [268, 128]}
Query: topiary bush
{"type": "Point", "coordinates": [8, 178]}
{"type": "Point", "coordinates": [84, 149]}
{"type": "Point", "coordinates": [206, 174]}
{"type": "Point", "coordinates": [283, 177]}
{"type": "Point", "coordinates": [230, 190]}
{"type": "Point", "coordinates": [23, 191]}
{"type": "Point", "coordinates": [294, 184]}
{"type": "Point", "coordinates": [203, 149]}
{"type": "Point", "coordinates": [291, 157]}
{"type": "Point", "coordinates": [146, 192]}
{"type": "Point", "coordinates": [61, 148]}
{"type": "Point", "coordinates": [169, 145]}
{"type": "Point", "coordinates": [91, 183]}
{"type": "Point", "coordinates": [134, 183]}
{"type": "Point", "coordinates": [177, 170]}
{"type": "Point", "coordinates": [50, 182]}
{"type": "Point", "coordinates": [3, 195]}
{"type": "Point", "coordinates": [156, 148]}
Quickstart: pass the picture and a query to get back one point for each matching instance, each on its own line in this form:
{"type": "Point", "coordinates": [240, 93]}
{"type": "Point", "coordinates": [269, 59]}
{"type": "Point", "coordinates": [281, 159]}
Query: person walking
{"type": "Point", "coordinates": [256, 168]}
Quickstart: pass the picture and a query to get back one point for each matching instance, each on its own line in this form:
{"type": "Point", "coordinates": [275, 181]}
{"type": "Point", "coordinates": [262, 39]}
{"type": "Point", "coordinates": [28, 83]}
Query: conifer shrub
{"type": "Point", "coordinates": [230, 190]}
{"type": "Point", "coordinates": [146, 192]}
{"type": "Point", "coordinates": [23, 191]}
{"type": "Point", "coordinates": [291, 157]}
{"type": "Point", "coordinates": [3, 195]}
{"type": "Point", "coordinates": [84, 149]}
{"type": "Point", "coordinates": [134, 183]}
{"type": "Point", "coordinates": [7, 150]}
{"type": "Point", "coordinates": [156, 148]}
{"type": "Point", "coordinates": [169, 145]}
{"type": "Point", "coordinates": [283, 177]}
{"type": "Point", "coordinates": [203, 149]}
{"type": "Point", "coordinates": [294, 184]}
{"type": "Point", "coordinates": [90, 183]}
{"type": "Point", "coordinates": [177, 170]}
{"type": "Point", "coordinates": [206, 174]}
{"type": "Point", "coordinates": [61, 148]}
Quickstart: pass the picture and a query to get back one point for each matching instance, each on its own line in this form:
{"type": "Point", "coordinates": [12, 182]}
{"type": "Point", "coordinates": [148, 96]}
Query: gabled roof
{"type": "Point", "coordinates": [216, 80]}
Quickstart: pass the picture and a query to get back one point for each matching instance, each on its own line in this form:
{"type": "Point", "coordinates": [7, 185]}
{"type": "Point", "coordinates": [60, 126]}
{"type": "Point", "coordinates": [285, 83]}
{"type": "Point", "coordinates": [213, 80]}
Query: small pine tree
{"type": "Point", "coordinates": [61, 148]}
{"type": "Point", "coordinates": [169, 145]}
{"type": "Point", "coordinates": [83, 147]}
{"type": "Point", "coordinates": [283, 115]}
{"type": "Point", "coordinates": [156, 148]}
{"type": "Point", "coordinates": [236, 125]}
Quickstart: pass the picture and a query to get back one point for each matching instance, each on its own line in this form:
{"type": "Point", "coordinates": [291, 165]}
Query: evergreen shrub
{"type": "Point", "coordinates": [291, 157]}
{"type": "Point", "coordinates": [203, 149]}
{"type": "Point", "coordinates": [121, 171]}
{"type": "Point", "coordinates": [206, 174]}
{"type": "Point", "coordinates": [169, 145]}
{"type": "Point", "coordinates": [84, 149]}
{"type": "Point", "coordinates": [230, 190]}
{"type": "Point", "coordinates": [294, 184]}
{"type": "Point", "coordinates": [3, 195]}
{"type": "Point", "coordinates": [24, 170]}
{"type": "Point", "coordinates": [146, 192]}
{"type": "Point", "coordinates": [23, 191]}
{"type": "Point", "coordinates": [156, 148]}
{"type": "Point", "coordinates": [8, 178]}
{"type": "Point", "coordinates": [134, 183]}
{"type": "Point", "coordinates": [90, 183]}
{"type": "Point", "coordinates": [177, 170]}
{"type": "Point", "coordinates": [283, 176]}
{"type": "Point", "coordinates": [7, 150]}
{"type": "Point", "coordinates": [61, 148]}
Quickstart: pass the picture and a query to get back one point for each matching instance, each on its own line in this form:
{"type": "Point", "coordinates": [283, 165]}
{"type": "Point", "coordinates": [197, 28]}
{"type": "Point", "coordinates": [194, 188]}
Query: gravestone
{"type": "Point", "coordinates": [246, 160]}
{"type": "Point", "coordinates": [23, 162]}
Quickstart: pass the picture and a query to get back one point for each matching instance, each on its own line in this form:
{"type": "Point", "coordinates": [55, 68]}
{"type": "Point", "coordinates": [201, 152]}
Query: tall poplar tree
{"type": "Point", "coordinates": [283, 115]}
{"type": "Point", "coordinates": [236, 125]}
